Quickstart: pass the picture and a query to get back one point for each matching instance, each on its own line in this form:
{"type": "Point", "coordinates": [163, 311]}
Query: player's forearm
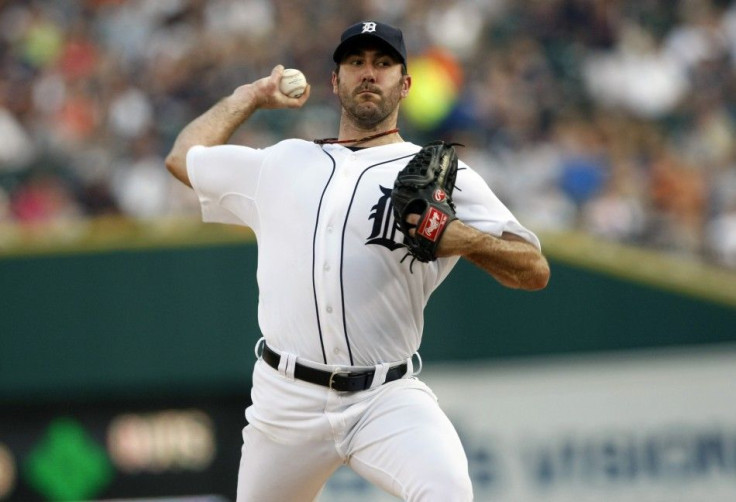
{"type": "Point", "coordinates": [214, 127]}
{"type": "Point", "coordinates": [511, 260]}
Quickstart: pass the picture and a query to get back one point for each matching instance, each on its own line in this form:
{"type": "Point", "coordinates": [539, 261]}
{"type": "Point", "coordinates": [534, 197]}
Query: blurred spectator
{"type": "Point", "coordinates": [678, 196]}
{"type": "Point", "coordinates": [130, 112]}
{"type": "Point", "coordinates": [43, 198]}
{"type": "Point", "coordinates": [614, 117]}
{"type": "Point", "coordinates": [17, 146]}
{"type": "Point", "coordinates": [721, 236]}
{"type": "Point", "coordinates": [638, 76]}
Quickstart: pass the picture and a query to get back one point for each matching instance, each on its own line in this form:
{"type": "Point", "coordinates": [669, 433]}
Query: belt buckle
{"type": "Point", "coordinates": [336, 371]}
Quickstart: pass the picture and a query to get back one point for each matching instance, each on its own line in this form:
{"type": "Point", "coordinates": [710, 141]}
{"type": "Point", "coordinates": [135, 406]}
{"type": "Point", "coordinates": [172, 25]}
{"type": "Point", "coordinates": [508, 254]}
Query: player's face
{"type": "Point", "coordinates": [370, 85]}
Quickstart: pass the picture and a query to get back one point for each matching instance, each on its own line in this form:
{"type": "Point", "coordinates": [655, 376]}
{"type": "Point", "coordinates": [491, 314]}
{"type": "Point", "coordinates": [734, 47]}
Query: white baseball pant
{"type": "Point", "coordinates": [394, 435]}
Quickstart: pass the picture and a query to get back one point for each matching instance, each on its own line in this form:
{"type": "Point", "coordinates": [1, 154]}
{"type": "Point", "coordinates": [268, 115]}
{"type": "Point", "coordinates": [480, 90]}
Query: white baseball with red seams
{"type": "Point", "coordinates": [347, 298]}
{"type": "Point", "coordinates": [293, 83]}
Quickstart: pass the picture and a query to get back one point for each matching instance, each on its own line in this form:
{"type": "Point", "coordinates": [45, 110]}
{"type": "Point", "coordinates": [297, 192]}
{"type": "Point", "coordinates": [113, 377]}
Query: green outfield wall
{"type": "Point", "coordinates": [139, 316]}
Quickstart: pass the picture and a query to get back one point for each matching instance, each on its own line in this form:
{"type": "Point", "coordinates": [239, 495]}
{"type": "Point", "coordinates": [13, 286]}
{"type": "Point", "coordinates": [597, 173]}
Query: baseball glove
{"type": "Point", "coordinates": [424, 187]}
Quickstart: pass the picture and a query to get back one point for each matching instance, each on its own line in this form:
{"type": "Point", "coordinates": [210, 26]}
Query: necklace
{"type": "Point", "coordinates": [332, 141]}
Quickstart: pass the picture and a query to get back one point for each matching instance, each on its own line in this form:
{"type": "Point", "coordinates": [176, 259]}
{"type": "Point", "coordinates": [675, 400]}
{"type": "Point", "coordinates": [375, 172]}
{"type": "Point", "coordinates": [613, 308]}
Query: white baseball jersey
{"type": "Point", "coordinates": [335, 285]}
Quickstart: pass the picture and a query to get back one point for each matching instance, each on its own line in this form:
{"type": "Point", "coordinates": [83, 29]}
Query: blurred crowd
{"type": "Point", "coordinates": [612, 117]}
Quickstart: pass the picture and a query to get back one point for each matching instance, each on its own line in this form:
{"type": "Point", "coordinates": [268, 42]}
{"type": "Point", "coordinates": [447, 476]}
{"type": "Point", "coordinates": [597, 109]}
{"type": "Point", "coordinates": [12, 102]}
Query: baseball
{"type": "Point", "coordinates": [293, 82]}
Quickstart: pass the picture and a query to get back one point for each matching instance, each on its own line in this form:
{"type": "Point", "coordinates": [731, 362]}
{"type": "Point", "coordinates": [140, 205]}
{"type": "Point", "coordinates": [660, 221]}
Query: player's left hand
{"type": "Point", "coordinates": [424, 186]}
{"type": "Point", "coordinates": [453, 239]}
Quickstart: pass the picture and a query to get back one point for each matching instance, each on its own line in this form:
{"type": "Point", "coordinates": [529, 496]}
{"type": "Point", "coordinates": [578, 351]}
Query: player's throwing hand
{"type": "Point", "coordinates": [266, 93]}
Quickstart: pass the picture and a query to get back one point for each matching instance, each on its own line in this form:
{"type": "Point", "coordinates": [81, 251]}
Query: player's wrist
{"type": "Point", "coordinates": [244, 101]}
{"type": "Point", "coordinates": [460, 239]}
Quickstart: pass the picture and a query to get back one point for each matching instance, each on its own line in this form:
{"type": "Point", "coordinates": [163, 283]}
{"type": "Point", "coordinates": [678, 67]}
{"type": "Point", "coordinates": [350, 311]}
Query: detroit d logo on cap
{"type": "Point", "coordinates": [369, 27]}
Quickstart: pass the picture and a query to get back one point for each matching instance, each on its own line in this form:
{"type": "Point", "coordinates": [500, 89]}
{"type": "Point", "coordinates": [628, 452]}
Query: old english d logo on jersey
{"type": "Point", "coordinates": [385, 227]}
{"type": "Point", "coordinates": [433, 223]}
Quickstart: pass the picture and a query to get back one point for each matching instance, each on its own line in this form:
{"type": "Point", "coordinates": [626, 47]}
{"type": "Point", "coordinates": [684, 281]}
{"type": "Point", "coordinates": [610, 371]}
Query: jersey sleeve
{"type": "Point", "coordinates": [477, 206]}
{"type": "Point", "coordinates": [225, 179]}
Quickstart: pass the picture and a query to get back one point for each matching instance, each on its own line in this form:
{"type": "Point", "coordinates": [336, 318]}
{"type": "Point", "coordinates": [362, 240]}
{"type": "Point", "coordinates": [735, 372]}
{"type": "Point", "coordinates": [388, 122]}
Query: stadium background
{"type": "Point", "coordinates": [127, 327]}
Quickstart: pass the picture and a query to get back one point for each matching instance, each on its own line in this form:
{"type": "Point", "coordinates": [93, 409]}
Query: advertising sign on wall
{"type": "Point", "coordinates": [121, 450]}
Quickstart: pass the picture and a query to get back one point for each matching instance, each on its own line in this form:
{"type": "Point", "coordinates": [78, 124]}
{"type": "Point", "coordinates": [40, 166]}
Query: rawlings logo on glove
{"type": "Point", "coordinates": [424, 187]}
{"type": "Point", "coordinates": [433, 225]}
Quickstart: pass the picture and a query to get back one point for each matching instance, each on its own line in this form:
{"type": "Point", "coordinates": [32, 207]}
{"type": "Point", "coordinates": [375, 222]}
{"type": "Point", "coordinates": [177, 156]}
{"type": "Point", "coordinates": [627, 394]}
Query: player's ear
{"type": "Point", "coordinates": [335, 80]}
{"type": "Point", "coordinates": [405, 86]}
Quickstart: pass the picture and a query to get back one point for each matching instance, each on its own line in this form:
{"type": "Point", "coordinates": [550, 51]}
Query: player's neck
{"type": "Point", "coordinates": [380, 135]}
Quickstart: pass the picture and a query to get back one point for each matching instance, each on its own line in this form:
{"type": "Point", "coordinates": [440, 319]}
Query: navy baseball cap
{"type": "Point", "coordinates": [371, 29]}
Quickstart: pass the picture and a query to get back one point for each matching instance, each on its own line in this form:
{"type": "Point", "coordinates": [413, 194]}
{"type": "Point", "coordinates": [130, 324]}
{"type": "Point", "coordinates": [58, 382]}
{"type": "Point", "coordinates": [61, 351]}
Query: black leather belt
{"type": "Point", "coordinates": [344, 381]}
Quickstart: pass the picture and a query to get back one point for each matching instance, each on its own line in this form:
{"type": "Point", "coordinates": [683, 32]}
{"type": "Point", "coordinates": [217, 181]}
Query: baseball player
{"type": "Point", "coordinates": [340, 305]}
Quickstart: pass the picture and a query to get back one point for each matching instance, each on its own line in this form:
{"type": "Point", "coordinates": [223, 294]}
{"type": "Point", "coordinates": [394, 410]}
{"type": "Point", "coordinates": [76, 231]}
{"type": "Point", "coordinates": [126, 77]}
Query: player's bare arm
{"type": "Point", "coordinates": [511, 260]}
{"type": "Point", "coordinates": [217, 125]}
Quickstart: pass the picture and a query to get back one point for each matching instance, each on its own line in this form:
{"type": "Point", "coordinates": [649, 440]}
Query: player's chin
{"type": "Point", "coordinates": [367, 110]}
{"type": "Point", "coordinates": [367, 106]}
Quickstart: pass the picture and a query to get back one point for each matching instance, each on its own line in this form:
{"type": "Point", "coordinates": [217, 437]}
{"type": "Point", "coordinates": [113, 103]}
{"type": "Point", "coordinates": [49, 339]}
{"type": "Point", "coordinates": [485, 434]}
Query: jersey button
{"type": "Point", "coordinates": [336, 351]}
{"type": "Point", "coordinates": [329, 309]}
{"type": "Point", "coordinates": [326, 267]}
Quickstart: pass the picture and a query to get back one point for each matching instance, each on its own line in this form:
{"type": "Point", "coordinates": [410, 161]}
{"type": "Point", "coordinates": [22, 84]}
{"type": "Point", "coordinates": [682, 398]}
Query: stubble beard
{"type": "Point", "coordinates": [369, 114]}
